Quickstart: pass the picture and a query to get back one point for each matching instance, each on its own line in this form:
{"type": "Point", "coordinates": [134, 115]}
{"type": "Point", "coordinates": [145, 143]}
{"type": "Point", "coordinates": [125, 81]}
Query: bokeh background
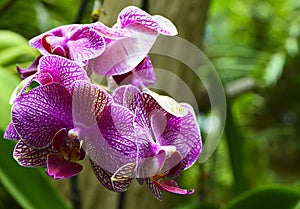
{"type": "Point", "coordinates": [254, 46]}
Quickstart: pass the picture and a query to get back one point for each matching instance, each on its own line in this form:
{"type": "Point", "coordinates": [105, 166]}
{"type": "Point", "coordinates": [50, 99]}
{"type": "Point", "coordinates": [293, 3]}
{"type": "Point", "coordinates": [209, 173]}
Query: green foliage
{"type": "Point", "coordinates": [276, 197]}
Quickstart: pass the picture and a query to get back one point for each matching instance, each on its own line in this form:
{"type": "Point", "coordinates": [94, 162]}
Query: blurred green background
{"type": "Point", "coordinates": [254, 46]}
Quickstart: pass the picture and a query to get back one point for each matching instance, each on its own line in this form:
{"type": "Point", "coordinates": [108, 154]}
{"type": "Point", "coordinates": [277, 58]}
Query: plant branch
{"type": "Point", "coordinates": [81, 10]}
{"type": "Point", "coordinates": [121, 200]}
{"type": "Point", "coordinates": [76, 200]}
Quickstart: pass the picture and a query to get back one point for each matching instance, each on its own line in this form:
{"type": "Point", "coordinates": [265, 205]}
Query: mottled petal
{"type": "Point", "coordinates": [105, 178]}
{"type": "Point", "coordinates": [59, 168]}
{"type": "Point", "coordinates": [38, 114]}
{"type": "Point", "coordinates": [152, 166]}
{"type": "Point", "coordinates": [29, 156]}
{"type": "Point", "coordinates": [111, 142]}
{"type": "Point", "coordinates": [11, 133]}
{"type": "Point", "coordinates": [153, 189]}
{"type": "Point", "coordinates": [88, 101]}
{"type": "Point", "coordinates": [172, 186]}
{"type": "Point", "coordinates": [142, 75]}
{"type": "Point", "coordinates": [123, 55]}
{"type": "Point", "coordinates": [134, 15]}
{"type": "Point", "coordinates": [53, 68]}
{"type": "Point", "coordinates": [85, 44]}
{"type": "Point", "coordinates": [181, 132]}
{"type": "Point", "coordinates": [128, 96]}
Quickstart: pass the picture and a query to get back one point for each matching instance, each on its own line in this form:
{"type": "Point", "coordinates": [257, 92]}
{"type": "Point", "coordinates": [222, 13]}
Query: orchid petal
{"type": "Point", "coordinates": [172, 186]}
{"type": "Point", "coordinates": [142, 75]}
{"type": "Point", "coordinates": [122, 55]}
{"type": "Point", "coordinates": [59, 168]}
{"type": "Point", "coordinates": [76, 42]}
{"type": "Point", "coordinates": [60, 70]}
{"type": "Point", "coordinates": [181, 132]}
{"type": "Point", "coordinates": [30, 70]}
{"type": "Point", "coordinates": [88, 102]}
{"type": "Point", "coordinates": [134, 15]}
{"type": "Point", "coordinates": [154, 189]}
{"type": "Point", "coordinates": [105, 178]}
{"type": "Point", "coordinates": [29, 156]}
{"type": "Point", "coordinates": [85, 44]}
{"type": "Point", "coordinates": [110, 142]}
{"type": "Point", "coordinates": [38, 114]}
{"type": "Point", "coordinates": [111, 33]}
{"type": "Point", "coordinates": [11, 133]}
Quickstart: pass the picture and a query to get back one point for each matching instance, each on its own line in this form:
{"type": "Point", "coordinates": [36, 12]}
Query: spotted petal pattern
{"type": "Point", "coordinates": [29, 156]}
{"type": "Point", "coordinates": [38, 114]}
{"type": "Point", "coordinates": [11, 133]}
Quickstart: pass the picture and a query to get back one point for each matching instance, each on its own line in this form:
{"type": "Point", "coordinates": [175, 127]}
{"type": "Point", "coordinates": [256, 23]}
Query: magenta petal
{"type": "Point", "coordinates": [59, 168]}
{"type": "Point", "coordinates": [134, 15]}
{"type": "Point", "coordinates": [172, 186]}
{"type": "Point", "coordinates": [154, 189]}
{"type": "Point", "coordinates": [61, 70]}
{"type": "Point", "coordinates": [88, 102]}
{"type": "Point", "coordinates": [30, 70]}
{"type": "Point", "coordinates": [142, 75]}
{"type": "Point", "coordinates": [39, 113]}
{"type": "Point", "coordinates": [105, 178]}
{"type": "Point", "coordinates": [29, 156]}
{"type": "Point", "coordinates": [110, 33]}
{"type": "Point", "coordinates": [11, 133]}
{"type": "Point", "coordinates": [123, 55]}
{"type": "Point", "coordinates": [85, 44]}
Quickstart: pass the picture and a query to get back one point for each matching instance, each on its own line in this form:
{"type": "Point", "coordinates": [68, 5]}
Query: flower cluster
{"type": "Point", "coordinates": [127, 131]}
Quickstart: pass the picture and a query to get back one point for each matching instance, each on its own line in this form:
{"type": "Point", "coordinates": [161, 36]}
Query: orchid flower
{"type": "Point", "coordinates": [49, 123]}
{"type": "Point", "coordinates": [129, 41]}
{"type": "Point", "coordinates": [168, 139]}
{"type": "Point", "coordinates": [75, 42]}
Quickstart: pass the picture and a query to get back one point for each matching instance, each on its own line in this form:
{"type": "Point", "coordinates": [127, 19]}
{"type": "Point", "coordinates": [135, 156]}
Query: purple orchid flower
{"type": "Point", "coordinates": [129, 41]}
{"type": "Point", "coordinates": [168, 140]}
{"type": "Point", "coordinates": [51, 68]}
{"type": "Point", "coordinates": [76, 42]}
{"type": "Point", "coordinates": [54, 126]}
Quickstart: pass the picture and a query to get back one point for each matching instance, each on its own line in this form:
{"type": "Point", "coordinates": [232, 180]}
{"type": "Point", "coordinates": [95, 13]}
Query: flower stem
{"type": "Point", "coordinates": [121, 200]}
{"type": "Point", "coordinates": [76, 201]}
{"type": "Point", "coordinates": [80, 12]}
{"type": "Point", "coordinates": [145, 5]}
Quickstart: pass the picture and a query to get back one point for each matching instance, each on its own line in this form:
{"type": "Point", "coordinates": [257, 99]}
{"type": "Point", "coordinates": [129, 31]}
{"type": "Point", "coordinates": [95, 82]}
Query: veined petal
{"type": "Point", "coordinates": [105, 177]}
{"type": "Point", "coordinates": [59, 168]}
{"type": "Point", "coordinates": [134, 15]}
{"type": "Point", "coordinates": [29, 156]}
{"type": "Point", "coordinates": [88, 102]}
{"type": "Point", "coordinates": [142, 75]}
{"type": "Point", "coordinates": [38, 114]}
{"type": "Point", "coordinates": [128, 96]}
{"type": "Point", "coordinates": [60, 70]}
{"type": "Point", "coordinates": [60, 31]}
{"type": "Point", "coordinates": [154, 189]}
{"type": "Point", "coordinates": [111, 142]}
{"type": "Point", "coordinates": [85, 44]}
{"type": "Point", "coordinates": [111, 33]}
{"type": "Point", "coordinates": [11, 133]}
{"type": "Point", "coordinates": [181, 132]}
{"type": "Point", "coordinates": [172, 186]}
{"type": "Point", "coordinates": [122, 55]}
{"type": "Point", "coordinates": [30, 70]}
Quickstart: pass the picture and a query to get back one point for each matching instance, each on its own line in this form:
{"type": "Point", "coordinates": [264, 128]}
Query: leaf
{"type": "Point", "coordinates": [28, 186]}
{"type": "Point", "coordinates": [7, 84]}
{"type": "Point", "coordinates": [274, 68]}
{"type": "Point", "coordinates": [275, 197]}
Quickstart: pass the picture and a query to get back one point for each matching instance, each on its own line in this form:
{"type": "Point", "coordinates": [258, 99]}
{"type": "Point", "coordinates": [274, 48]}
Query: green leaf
{"type": "Point", "coordinates": [275, 197]}
{"type": "Point", "coordinates": [274, 69]}
{"type": "Point", "coordinates": [29, 186]}
{"type": "Point", "coordinates": [8, 82]}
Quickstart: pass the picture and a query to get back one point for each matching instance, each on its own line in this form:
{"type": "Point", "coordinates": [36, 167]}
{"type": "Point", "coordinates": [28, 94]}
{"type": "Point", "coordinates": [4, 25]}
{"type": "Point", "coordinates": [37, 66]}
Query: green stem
{"type": "Point", "coordinates": [121, 201]}
{"type": "Point", "coordinates": [76, 200]}
{"type": "Point", "coordinates": [81, 10]}
{"type": "Point", "coordinates": [236, 150]}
